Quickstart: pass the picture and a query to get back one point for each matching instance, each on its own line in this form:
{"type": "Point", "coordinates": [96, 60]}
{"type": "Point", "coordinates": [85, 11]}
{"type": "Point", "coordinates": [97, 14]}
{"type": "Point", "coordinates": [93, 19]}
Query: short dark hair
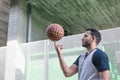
{"type": "Point", "coordinates": [95, 33]}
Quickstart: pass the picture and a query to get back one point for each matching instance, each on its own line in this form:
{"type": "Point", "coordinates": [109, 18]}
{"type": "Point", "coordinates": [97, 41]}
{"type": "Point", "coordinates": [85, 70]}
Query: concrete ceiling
{"type": "Point", "coordinates": [77, 15]}
{"type": "Point", "coordinates": [74, 15]}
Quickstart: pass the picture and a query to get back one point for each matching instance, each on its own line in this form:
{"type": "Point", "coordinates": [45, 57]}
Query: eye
{"type": "Point", "coordinates": [85, 35]}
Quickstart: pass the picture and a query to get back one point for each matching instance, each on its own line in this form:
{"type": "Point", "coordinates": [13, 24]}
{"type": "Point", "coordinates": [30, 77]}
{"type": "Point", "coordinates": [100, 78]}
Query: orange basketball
{"type": "Point", "coordinates": [55, 32]}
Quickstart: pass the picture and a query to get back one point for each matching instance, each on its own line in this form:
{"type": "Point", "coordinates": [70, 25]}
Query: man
{"type": "Point", "coordinates": [93, 65]}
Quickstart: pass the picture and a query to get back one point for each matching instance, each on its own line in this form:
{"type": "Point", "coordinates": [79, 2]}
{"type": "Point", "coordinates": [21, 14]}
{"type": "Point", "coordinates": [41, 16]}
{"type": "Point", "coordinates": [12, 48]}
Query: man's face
{"type": "Point", "coordinates": [87, 39]}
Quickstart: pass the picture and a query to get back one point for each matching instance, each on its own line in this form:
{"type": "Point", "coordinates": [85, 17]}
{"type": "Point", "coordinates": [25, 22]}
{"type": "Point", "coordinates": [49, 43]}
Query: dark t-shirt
{"type": "Point", "coordinates": [99, 59]}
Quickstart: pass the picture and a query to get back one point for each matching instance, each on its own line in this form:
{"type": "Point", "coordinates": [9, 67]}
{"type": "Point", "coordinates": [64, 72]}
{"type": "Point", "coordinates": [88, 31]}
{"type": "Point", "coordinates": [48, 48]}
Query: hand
{"type": "Point", "coordinates": [58, 47]}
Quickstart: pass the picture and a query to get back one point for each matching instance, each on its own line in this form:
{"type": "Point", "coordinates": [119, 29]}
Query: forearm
{"type": "Point", "coordinates": [68, 71]}
{"type": "Point", "coordinates": [63, 65]}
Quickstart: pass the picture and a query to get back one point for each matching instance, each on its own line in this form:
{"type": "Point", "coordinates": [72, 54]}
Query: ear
{"type": "Point", "coordinates": [94, 38]}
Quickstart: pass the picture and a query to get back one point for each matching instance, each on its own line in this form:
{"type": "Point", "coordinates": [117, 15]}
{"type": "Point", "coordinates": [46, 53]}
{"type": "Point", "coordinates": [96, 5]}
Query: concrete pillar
{"type": "Point", "coordinates": [17, 22]}
{"type": "Point", "coordinates": [16, 35]}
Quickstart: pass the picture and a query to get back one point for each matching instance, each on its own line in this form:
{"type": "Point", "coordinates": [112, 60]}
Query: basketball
{"type": "Point", "coordinates": [55, 32]}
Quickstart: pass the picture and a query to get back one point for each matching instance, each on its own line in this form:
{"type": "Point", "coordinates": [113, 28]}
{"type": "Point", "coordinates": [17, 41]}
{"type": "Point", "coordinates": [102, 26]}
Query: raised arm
{"type": "Point", "coordinates": [68, 71]}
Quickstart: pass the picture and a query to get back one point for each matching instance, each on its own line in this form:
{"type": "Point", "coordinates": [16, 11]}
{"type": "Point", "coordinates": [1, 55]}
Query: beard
{"type": "Point", "coordinates": [86, 44]}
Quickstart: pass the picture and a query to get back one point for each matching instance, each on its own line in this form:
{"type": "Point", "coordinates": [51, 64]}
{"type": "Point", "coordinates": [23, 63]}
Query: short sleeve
{"type": "Point", "coordinates": [100, 60]}
{"type": "Point", "coordinates": [76, 62]}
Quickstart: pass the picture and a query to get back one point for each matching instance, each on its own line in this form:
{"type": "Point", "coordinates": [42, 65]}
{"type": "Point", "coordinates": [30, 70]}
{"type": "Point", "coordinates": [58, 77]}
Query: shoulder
{"type": "Point", "coordinates": [100, 60]}
{"type": "Point", "coordinates": [76, 62]}
{"type": "Point", "coordinates": [99, 54]}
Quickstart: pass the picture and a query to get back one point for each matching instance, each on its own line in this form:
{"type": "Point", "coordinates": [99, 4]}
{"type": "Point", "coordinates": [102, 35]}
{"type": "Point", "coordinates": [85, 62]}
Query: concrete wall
{"type": "Point", "coordinates": [4, 17]}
